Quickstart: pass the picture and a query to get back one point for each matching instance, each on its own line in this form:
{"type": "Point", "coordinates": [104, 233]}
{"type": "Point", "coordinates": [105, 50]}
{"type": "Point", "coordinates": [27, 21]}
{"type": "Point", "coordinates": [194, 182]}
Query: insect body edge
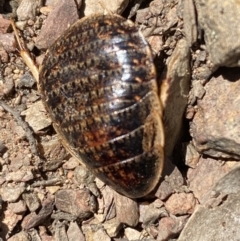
{"type": "Point", "coordinates": [102, 96]}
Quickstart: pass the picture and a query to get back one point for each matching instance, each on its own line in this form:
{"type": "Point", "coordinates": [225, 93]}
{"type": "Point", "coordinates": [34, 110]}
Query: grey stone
{"type": "Point", "coordinates": [217, 223]}
{"type": "Point", "coordinates": [220, 23]}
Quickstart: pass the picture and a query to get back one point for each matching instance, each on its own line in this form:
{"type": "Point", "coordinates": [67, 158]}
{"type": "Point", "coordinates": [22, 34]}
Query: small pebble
{"type": "Point", "coordinates": [30, 22]}
{"type": "Point", "coordinates": [21, 25]}
{"type": "Point", "coordinates": [4, 58]}
{"type": "Point", "coordinates": [46, 10]}
{"type": "Point", "coordinates": [26, 81]}
{"type": "Point", "coordinates": [5, 155]}
{"type": "Point", "coordinates": [16, 71]}
{"type": "Point", "coordinates": [15, 76]}
{"type": "Point", "coordinates": [30, 46]}
{"type": "Point", "coordinates": [8, 42]}
{"type": "Point", "coordinates": [4, 24]}
{"type": "Point", "coordinates": [3, 148]}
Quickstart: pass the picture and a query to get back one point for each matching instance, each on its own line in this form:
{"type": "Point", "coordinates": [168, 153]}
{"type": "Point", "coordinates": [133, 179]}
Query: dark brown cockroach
{"type": "Point", "coordinates": [98, 84]}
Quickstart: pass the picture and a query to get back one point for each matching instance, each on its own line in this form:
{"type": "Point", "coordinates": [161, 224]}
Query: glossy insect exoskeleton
{"type": "Point", "coordinates": [98, 83]}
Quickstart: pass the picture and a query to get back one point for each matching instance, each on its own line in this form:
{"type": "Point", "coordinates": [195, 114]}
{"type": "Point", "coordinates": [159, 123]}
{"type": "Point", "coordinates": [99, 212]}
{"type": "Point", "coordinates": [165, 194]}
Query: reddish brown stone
{"type": "Point", "coordinates": [169, 227]}
{"type": "Point", "coordinates": [5, 24]}
{"type": "Point", "coordinates": [215, 127]}
{"type": "Point", "coordinates": [205, 175]}
{"type": "Point", "coordinates": [126, 209]}
{"type": "Point", "coordinates": [79, 203]}
{"type": "Point", "coordinates": [181, 203]}
{"type": "Point", "coordinates": [63, 16]}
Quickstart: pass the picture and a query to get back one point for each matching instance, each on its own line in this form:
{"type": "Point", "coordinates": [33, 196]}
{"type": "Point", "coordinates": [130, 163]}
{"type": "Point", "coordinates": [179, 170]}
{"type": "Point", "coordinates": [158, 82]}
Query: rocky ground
{"type": "Point", "coordinates": [45, 194]}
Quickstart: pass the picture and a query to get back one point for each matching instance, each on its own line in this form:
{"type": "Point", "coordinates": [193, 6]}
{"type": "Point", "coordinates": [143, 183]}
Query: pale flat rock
{"type": "Point", "coordinates": [113, 6]}
{"type": "Point", "coordinates": [54, 153]}
{"type": "Point", "coordinates": [36, 116]}
{"type": "Point", "coordinates": [20, 176]}
{"type": "Point", "coordinates": [60, 231]}
{"type": "Point", "coordinates": [18, 207]}
{"type": "Point", "coordinates": [22, 236]}
{"type": "Point", "coordinates": [132, 234]}
{"type": "Point", "coordinates": [191, 155]}
{"type": "Point", "coordinates": [100, 235]}
{"type": "Point", "coordinates": [9, 222]}
{"type": "Point", "coordinates": [11, 194]}
{"type": "Point", "coordinates": [83, 176]}
{"type": "Point", "coordinates": [74, 232]}
{"type": "Point", "coordinates": [28, 9]}
{"type": "Point", "coordinates": [32, 201]}
{"type": "Point", "coordinates": [149, 212]}
{"type": "Point", "coordinates": [72, 163]}
{"type": "Point", "coordinates": [219, 21]}
{"type": "Point", "coordinates": [112, 227]}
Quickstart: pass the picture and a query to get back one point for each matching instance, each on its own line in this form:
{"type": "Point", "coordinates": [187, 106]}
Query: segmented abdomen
{"type": "Point", "coordinates": [99, 85]}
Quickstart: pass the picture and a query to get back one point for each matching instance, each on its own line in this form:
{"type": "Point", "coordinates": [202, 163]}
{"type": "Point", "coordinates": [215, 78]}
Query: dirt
{"type": "Point", "coordinates": [47, 194]}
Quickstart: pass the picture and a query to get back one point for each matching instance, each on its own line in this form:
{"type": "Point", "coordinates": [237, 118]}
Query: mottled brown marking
{"type": "Point", "coordinates": [99, 85]}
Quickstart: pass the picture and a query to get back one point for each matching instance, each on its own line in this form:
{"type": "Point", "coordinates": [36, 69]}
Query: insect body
{"type": "Point", "coordinates": [98, 83]}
